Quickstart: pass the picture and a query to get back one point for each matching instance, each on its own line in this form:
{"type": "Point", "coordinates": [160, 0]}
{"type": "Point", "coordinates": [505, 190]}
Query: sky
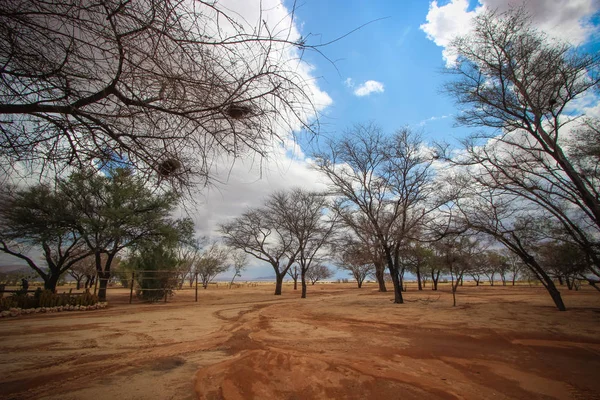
{"type": "Point", "coordinates": [389, 71]}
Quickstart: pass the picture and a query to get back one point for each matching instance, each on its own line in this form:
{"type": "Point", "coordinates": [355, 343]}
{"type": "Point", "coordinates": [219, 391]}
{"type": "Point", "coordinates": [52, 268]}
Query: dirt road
{"type": "Point", "coordinates": [340, 343]}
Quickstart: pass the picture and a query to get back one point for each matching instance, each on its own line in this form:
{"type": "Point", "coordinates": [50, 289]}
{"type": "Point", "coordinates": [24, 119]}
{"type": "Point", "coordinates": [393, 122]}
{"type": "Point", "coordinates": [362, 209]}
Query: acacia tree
{"type": "Point", "coordinates": [154, 263]}
{"type": "Point", "coordinates": [211, 262]}
{"type": "Point", "coordinates": [164, 86]}
{"type": "Point", "coordinates": [260, 235]}
{"type": "Point", "coordinates": [515, 266]}
{"type": "Point", "coordinates": [302, 214]}
{"type": "Point", "coordinates": [517, 80]}
{"type": "Point", "coordinates": [294, 273]}
{"type": "Point", "coordinates": [495, 263]}
{"type": "Point", "coordinates": [362, 242]}
{"type": "Point", "coordinates": [318, 272]}
{"type": "Point", "coordinates": [239, 260]}
{"type": "Point", "coordinates": [356, 259]}
{"type": "Point", "coordinates": [418, 258]}
{"type": "Point", "coordinates": [116, 211]}
{"type": "Point", "coordinates": [456, 253]}
{"type": "Point", "coordinates": [40, 218]}
{"type": "Point", "coordinates": [503, 217]}
{"type": "Point", "coordinates": [84, 268]}
{"type": "Point", "coordinates": [383, 183]}
{"type": "Point", "coordinates": [563, 261]}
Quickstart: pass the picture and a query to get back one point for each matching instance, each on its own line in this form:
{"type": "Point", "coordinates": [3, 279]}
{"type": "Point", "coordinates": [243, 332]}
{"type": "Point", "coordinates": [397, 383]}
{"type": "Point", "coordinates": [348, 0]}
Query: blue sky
{"type": "Point", "coordinates": [392, 51]}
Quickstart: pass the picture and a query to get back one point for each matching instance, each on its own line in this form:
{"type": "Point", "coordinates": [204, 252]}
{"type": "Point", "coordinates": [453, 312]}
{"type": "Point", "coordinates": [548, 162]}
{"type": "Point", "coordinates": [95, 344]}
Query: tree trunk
{"type": "Point", "coordinates": [434, 279]}
{"type": "Point", "coordinates": [103, 274]}
{"type": "Point", "coordinates": [569, 284]}
{"type": "Point", "coordinates": [397, 287]}
{"type": "Point", "coordinates": [51, 281]}
{"type": "Point", "coordinates": [560, 280]}
{"type": "Point", "coordinates": [555, 294]}
{"type": "Point", "coordinates": [78, 281]}
{"type": "Point", "coordinates": [380, 275]}
{"type": "Point", "coordinates": [359, 283]}
{"type": "Point", "coordinates": [103, 278]}
{"type": "Point", "coordinates": [303, 281]}
{"type": "Point", "coordinates": [278, 284]}
{"type": "Point", "coordinates": [545, 280]}
{"type": "Point", "coordinates": [453, 290]}
{"type": "Point", "coordinates": [296, 283]}
{"type": "Point", "coordinates": [420, 287]}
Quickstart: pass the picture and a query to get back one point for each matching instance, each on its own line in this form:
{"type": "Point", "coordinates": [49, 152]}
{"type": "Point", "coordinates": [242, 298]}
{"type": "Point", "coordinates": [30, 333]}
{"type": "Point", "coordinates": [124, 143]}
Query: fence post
{"type": "Point", "coordinates": [196, 287]}
{"type": "Point", "coordinates": [131, 289]}
{"type": "Point", "coordinates": [96, 283]}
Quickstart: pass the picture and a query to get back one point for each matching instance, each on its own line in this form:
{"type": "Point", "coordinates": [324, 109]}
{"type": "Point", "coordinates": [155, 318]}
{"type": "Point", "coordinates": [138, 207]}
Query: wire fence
{"type": "Point", "coordinates": [147, 285]}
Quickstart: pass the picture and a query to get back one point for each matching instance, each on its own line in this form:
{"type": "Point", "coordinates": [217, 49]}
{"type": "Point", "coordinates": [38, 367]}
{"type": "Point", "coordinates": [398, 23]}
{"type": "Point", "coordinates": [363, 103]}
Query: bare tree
{"type": "Point", "coordinates": [418, 257]}
{"type": "Point", "coordinates": [563, 261]}
{"type": "Point", "coordinates": [517, 80]}
{"type": "Point", "coordinates": [256, 233]}
{"type": "Point", "coordinates": [357, 260]}
{"type": "Point", "coordinates": [163, 85]}
{"type": "Point", "coordinates": [516, 266]}
{"type": "Point", "coordinates": [383, 181]}
{"type": "Point", "coordinates": [211, 262]}
{"type": "Point", "coordinates": [294, 273]}
{"type": "Point", "coordinates": [84, 268]}
{"type": "Point", "coordinates": [508, 220]}
{"type": "Point", "coordinates": [495, 263]}
{"type": "Point", "coordinates": [187, 255]}
{"type": "Point", "coordinates": [239, 259]}
{"type": "Point", "coordinates": [318, 272]}
{"type": "Point", "coordinates": [455, 253]}
{"type": "Point", "coordinates": [303, 215]}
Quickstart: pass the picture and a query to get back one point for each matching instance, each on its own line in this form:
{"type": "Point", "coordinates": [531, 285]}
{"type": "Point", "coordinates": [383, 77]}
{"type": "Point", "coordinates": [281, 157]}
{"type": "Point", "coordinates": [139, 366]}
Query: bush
{"type": "Point", "coordinates": [155, 285]}
{"type": "Point", "coordinates": [47, 298]}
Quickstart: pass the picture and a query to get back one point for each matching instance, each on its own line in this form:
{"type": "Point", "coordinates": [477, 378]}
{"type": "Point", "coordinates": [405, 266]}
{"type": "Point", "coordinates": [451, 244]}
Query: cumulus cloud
{"type": "Point", "coordinates": [567, 20]}
{"type": "Point", "coordinates": [369, 87]}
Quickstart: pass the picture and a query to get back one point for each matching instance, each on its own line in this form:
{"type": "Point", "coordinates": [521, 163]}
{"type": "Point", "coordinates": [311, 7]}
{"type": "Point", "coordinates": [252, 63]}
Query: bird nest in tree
{"type": "Point", "coordinates": [168, 167]}
{"type": "Point", "coordinates": [237, 111]}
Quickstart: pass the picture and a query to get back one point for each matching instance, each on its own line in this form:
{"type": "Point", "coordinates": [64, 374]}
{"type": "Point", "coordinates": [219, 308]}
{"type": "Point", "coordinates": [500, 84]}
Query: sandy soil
{"type": "Point", "coordinates": [340, 343]}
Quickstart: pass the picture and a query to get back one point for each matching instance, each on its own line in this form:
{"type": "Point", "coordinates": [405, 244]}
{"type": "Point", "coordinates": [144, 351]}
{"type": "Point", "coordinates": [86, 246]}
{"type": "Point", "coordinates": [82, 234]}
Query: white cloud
{"type": "Point", "coordinates": [431, 119]}
{"type": "Point", "coordinates": [349, 82]}
{"type": "Point", "coordinates": [566, 20]}
{"type": "Point", "coordinates": [369, 87]}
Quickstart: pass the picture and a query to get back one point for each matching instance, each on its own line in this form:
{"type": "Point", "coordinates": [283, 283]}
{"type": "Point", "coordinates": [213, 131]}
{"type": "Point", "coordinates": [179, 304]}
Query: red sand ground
{"type": "Point", "coordinates": [340, 343]}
